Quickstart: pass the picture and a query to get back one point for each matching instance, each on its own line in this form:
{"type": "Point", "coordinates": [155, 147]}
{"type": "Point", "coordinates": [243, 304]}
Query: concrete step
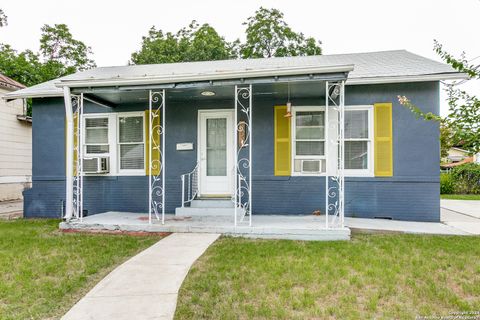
{"type": "Point", "coordinates": [192, 211]}
{"type": "Point", "coordinates": [211, 203]}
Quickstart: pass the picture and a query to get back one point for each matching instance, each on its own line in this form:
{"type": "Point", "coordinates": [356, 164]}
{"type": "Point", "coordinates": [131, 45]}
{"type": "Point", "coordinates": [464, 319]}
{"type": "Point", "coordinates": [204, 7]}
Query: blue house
{"type": "Point", "coordinates": [283, 136]}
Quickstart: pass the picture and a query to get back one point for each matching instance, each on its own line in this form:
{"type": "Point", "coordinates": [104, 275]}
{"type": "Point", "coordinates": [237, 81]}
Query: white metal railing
{"type": "Point", "coordinates": [189, 185]}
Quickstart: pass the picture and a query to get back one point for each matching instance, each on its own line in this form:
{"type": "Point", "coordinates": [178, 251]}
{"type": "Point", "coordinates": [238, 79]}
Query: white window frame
{"type": "Point", "coordinates": [114, 146]}
{"type": "Point", "coordinates": [127, 172]}
{"type": "Point", "coordinates": [85, 144]}
{"type": "Point", "coordinates": [370, 145]}
{"type": "Point", "coordinates": [294, 156]}
{"type": "Point", "coordinates": [369, 172]}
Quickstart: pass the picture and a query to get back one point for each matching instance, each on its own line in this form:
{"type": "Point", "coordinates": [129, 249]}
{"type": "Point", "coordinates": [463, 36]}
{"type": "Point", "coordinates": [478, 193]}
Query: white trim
{"type": "Point", "coordinates": [225, 75]}
{"type": "Point", "coordinates": [15, 179]}
{"type": "Point", "coordinates": [411, 78]}
{"type": "Point", "coordinates": [230, 153]}
{"type": "Point", "coordinates": [113, 134]}
{"type": "Point", "coordinates": [293, 155]}
{"type": "Point", "coordinates": [369, 172]}
{"type": "Point", "coordinates": [348, 172]}
{"type": "Point", "coordinates": [130, 172]}
{"type": "Point", "coordinates": [69, 154]}
{"type": "Point", "coordinates": [349, 82]}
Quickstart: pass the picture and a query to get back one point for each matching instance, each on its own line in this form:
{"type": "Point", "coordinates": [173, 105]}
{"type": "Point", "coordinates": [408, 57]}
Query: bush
{"type": "Point", "coordinates": [447, 184]}
{"type": "Point", "coordinates": [466, 178]}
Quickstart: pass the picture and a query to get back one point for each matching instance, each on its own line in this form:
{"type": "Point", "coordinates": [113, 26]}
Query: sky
{"type": "Point", "coordinates": [114, 29]}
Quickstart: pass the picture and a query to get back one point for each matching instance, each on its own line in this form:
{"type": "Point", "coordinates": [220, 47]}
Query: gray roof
{"type": "Point", "coordinates": [370, 67]}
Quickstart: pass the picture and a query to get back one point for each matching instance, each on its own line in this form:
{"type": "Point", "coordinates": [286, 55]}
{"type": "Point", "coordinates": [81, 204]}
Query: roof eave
{"type": "Point", "coordinates": [412, 78]}
{"type": "Point", "coordinates": [245, 74]}
{"type": "Point", "coordinates": [13, 96]}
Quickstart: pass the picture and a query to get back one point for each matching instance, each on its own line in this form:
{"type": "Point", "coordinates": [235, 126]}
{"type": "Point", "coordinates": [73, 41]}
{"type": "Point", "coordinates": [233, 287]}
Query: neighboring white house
{"type": "Point", "coordinates": [456, 154]}
{"type": "Point", "coordinates": [15, 143]}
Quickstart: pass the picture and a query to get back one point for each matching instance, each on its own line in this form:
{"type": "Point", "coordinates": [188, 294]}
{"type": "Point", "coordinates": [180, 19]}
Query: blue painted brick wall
{"type": "Point", "coordinates": [411, 194]}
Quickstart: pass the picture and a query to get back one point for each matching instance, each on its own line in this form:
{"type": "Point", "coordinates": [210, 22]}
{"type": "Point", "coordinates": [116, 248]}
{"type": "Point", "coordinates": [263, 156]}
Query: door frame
{"type": "Point", "coordinates": [230, 143]}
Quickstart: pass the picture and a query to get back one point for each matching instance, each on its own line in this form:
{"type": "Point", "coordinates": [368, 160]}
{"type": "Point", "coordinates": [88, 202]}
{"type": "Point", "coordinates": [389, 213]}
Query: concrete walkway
{"type": "Point", "coordinates": [465, 207]}
{"type": "Point", "coordinates": [414, 227]}
{"type": "Point", "coordinates": [146, 286]}
{"type": "Point", "coordinates": [461, 214]}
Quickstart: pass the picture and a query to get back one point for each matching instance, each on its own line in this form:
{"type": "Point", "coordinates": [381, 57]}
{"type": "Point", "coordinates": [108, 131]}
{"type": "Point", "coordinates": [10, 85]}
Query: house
{"type": "Point", "coordinates": [283, 136]}
{"type": "Point", "coordinates": [456, 154]}
{"type": "Point", "coordinates": [15, 143]}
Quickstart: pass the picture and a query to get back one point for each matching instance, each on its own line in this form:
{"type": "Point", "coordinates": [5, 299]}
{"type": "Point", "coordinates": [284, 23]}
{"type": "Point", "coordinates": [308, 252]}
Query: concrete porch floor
{"type": "Point", "coordinates": [264, 226]}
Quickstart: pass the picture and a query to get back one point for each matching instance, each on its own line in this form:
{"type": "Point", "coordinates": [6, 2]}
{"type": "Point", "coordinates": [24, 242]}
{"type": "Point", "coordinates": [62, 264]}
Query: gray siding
{"type": "Point", "coordinates": [411, 194]}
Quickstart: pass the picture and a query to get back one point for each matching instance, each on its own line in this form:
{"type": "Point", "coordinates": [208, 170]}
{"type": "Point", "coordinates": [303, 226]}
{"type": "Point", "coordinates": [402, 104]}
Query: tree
{"type": "Point", "coordinates": [3, 18]}
{"type": "Point", "coordinates": [463, 119]}
{"type": "Point", "coordinates": [192, 43]}
{"type": "Point", "coordinates": [60, 54]}
{"type": "Point", "coordinates": [268, 35]}
{"type": "Point", "coordinates": [24, 67]}
{"type": "Point", "coordinates": [68, 55]}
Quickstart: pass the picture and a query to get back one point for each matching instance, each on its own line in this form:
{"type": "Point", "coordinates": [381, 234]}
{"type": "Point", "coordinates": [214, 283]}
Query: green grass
{"type": "Point", "coordinates": [460, 196]}
{"type": "Point", "coordinates": [370, 277]}
{"type": "Point", "coordinates": [43, 272]}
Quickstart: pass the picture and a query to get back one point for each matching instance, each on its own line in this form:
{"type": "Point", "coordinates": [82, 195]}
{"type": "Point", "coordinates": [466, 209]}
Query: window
{"type": "Point", "coordinates": [308, 140]}
{"type": "Point", "coordinates": [118, 136]}
{"type": "Point", "coordinates": [96, 136]}
{"type": "Point", "coordinates": [131, 143]}
{"type": "Point", "coordinates": [358, 135]}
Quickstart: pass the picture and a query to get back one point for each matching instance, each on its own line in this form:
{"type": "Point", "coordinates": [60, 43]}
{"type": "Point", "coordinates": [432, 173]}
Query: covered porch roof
{"type": "Point", "coordinates": [362, 68]}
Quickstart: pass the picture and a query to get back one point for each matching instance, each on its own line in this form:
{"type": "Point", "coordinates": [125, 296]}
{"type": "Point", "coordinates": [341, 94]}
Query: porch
{"type": "Point", "coordinates": [162, 130]}
{"type": "Point", "coordinates": [302, 227]}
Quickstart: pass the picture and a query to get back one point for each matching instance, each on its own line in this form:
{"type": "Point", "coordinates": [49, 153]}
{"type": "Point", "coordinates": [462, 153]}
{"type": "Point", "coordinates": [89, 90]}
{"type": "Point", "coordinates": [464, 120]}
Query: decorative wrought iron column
{"type": "Point", "coordinates": [77, 182]}
{"type": "Point", "coordinates": [243, 154]}
{"type": "Point", "coordinates": [156, 155]}
{"type": "Point", "coordinates": [335, 179]}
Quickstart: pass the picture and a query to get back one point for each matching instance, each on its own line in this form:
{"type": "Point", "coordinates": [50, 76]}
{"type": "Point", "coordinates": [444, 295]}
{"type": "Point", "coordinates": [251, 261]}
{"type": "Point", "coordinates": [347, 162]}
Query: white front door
{"type": "Point", "coordinates": [215, 152]}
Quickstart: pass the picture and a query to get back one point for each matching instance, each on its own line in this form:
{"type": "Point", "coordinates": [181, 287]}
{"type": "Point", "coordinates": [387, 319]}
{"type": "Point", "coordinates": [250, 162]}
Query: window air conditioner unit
{"type": "Point", "coordinates": [96, 165]}
{"type": "Point", "coordinates": [311, 166]}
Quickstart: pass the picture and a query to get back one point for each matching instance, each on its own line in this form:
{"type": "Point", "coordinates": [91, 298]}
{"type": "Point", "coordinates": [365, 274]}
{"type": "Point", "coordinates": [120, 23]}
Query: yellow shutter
{"type": "Point", "coordinates": [153, 149]}
{"type": "Point", "coordinates": [383, 140]}
{"type": "Point", "coordinates": [75, 142]}
{"type": "Point", "coordinates": [282, 153]}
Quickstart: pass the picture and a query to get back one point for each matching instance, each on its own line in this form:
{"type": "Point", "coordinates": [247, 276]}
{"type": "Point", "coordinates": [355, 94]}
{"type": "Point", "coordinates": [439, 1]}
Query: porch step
{"type": "Point", "coordinates": [212, 211]}
{"type": "Point", "coordinates": [212, 203]}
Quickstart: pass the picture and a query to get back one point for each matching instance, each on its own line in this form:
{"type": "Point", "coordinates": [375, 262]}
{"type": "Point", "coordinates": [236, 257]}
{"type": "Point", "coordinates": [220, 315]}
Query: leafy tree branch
{"type": "Point", "coordinates": [463, 119]}
{"type": "Point", "coordinates": [3, 18]}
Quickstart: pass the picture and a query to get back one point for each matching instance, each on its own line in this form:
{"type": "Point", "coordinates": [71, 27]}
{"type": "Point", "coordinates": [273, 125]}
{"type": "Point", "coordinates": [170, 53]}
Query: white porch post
{"type": "Point", "coordinates": [69, 154]}
{"type": "Point", "coordinates": [156, 182]}
{"type": "Point", "coordinates": [326, 147]}
{"type": "Point", "coordinates": [243, 161]}
{"type": "Point", "coordinates": [341, 163]}
{"type": "Point", "coordinates": [80, 156]}
{"type": "Point", "coordinates": [235, 160]}
{"type": "Point", "coordinates": [335, 181]}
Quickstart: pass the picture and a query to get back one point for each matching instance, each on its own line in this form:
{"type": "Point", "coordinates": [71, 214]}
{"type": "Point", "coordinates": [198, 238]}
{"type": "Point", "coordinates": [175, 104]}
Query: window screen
{"type": "Point", "coordinates": [357, 139]}
{"type": "Point", "coordinates": [309, 141]}
{"type": "Point", "coordinates": [96, 135]}
{"type": "Point", "coordinates": [131, 143]}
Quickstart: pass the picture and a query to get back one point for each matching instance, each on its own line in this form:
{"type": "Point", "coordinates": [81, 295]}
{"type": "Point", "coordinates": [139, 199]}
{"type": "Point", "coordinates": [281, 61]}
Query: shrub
{"type": "Point", "coordinates": [466, 178]}
{"type": "Point", "coordinates": [447, 184]}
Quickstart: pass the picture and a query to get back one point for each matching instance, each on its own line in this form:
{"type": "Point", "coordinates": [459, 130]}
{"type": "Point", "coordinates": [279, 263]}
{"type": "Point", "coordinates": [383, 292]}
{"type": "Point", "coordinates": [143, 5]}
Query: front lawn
{"type": "Point", "coordinates": [43, 272]}
{"type": "Point", "coordinates": [372, 276]}
{"type": "Point", "coordinates": [460, 196]}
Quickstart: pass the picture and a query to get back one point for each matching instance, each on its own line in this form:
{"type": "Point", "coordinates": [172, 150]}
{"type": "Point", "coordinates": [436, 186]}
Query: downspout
{"type": "Point", "coordinates": [69, 154]}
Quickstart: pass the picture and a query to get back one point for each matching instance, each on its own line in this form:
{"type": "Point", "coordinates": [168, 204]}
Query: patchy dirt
{"type": "Point", "coordinates": [117, 232]}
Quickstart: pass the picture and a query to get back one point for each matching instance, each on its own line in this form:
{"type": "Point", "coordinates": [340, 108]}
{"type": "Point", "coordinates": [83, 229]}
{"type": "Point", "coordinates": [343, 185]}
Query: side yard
{"type": "Point", "coordinates": [43, 272]}
{"type": "Point", "coordinates": [373, 276]}
{"type": "Point", "coordinates": [460, 196]}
